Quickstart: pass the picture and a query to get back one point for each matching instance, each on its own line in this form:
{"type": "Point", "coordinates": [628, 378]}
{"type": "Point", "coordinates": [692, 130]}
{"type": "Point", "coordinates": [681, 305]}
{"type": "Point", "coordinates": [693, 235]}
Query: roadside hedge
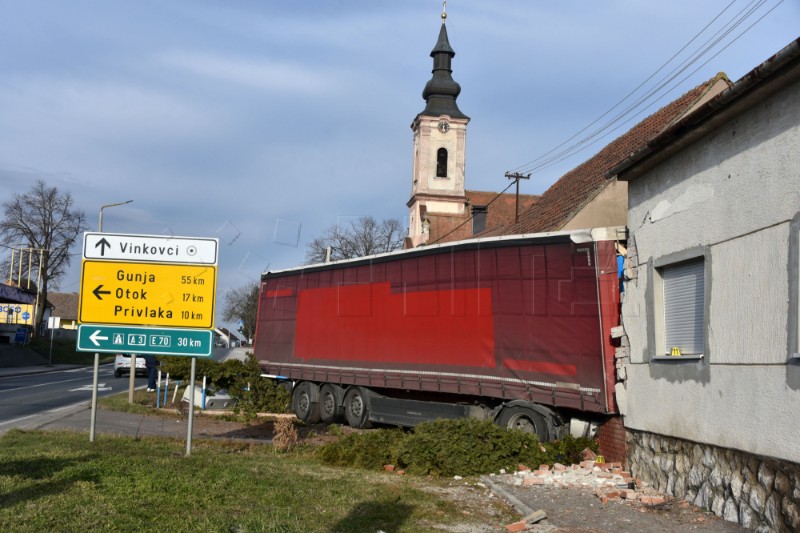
{"type": "Point", "coordinates": [451, 447]}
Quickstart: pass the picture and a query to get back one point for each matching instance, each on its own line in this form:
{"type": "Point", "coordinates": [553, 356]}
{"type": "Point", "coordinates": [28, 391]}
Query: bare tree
{"type": "Point", "coordinates": [43, 221]}
{"type": "Point", "coordinates": [241, 304]}
{"type": "Point", "coordinates": [361, 237]}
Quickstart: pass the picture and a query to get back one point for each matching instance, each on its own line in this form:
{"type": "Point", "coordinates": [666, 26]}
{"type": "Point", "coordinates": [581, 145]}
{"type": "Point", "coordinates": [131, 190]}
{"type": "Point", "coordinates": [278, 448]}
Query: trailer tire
{"type": "Point", "coordinates": [305, 402]}
{"type": "Point", "coordinates": [330, 403]}
{"type": "Point", "coordinates": [526, 420]}
{"type": "Point", "coordinates": [356, 408]}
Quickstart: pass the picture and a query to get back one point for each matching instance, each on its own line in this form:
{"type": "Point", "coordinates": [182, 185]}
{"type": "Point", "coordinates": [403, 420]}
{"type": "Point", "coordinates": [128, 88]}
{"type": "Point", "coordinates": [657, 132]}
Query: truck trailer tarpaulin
{"type": "Point", "coordinates": [507, 318]}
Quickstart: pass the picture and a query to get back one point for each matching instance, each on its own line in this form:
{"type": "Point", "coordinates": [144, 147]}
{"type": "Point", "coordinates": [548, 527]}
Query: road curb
{"type": "Point", "coordinates": [38, 420]}
{"type": "Point", "coordinates": [496, 489]}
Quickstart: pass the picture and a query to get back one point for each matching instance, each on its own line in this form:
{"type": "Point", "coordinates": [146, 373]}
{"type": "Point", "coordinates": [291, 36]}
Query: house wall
{"type": "Point", "coordinates": [733, 198]}
{"type": "Point", "coordinates": [606, 210]}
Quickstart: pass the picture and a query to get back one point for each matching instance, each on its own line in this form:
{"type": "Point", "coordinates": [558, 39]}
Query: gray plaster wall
{"type": "Point", "coordinates": [733, 198]}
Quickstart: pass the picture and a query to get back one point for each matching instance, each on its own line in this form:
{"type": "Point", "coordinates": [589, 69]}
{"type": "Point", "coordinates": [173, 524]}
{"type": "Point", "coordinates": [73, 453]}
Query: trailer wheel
{"type": "Point", "coordinates": [525, 420]}
{"type": "Point", "coordinates": [330, 403]}
{"type": "Point", "coordinates": [356, 408]}
{"type": "Point", "coordinates": [305, 402]}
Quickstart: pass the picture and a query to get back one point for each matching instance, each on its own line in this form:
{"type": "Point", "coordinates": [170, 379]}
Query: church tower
{"type": "Point", "coordinates": [440, 136]}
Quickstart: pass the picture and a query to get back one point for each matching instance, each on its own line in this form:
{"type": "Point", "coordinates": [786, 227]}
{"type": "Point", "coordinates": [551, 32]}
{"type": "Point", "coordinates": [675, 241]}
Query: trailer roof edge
{"type": "Point", "coordinates": [577, 236]}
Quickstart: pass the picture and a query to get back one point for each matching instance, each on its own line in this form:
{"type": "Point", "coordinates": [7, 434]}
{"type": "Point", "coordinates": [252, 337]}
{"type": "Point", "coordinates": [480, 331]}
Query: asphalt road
{"type": "Point", "coordinates": [26, 394]}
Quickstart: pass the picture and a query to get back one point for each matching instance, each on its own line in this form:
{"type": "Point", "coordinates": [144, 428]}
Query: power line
{"type": "Point", "coordinates": [595, 121]}
{"type": "Point", "coordinates": [694, 57]}
{"type": "Point", "coordinates": [473, 216]}
{"type": "Point", "coordinates": [555, 155]}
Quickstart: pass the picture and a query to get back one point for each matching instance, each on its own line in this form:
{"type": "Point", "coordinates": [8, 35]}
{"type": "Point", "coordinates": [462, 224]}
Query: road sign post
{"type": "Point", "coordinates": [147, 294]}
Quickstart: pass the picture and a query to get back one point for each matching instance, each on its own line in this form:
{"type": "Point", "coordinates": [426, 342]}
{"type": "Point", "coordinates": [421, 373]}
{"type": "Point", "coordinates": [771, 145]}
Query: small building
{"type": "Point", "coordinates": [225, 338]}
{"type": "Point", "coordinates": [65, 306]}
{"type": "Point", "coordinates": [712, 302]}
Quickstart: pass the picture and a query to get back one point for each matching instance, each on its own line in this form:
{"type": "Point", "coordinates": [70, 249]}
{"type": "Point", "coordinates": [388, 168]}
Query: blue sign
{"type": "Point", "coordinates": [21, 336]}
{"type": "Point", "coordinates": [26, 315]}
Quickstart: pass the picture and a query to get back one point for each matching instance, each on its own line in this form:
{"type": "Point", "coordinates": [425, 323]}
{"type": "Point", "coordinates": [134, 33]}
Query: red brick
{"type": "Point", "coordinates": [530, 480]}
{"type": "Point", "coordinates": [588, 455]}
{"type": "Point", "coordinates": [517, 526]}
{"type": "Point", "coordinates": [388, 468]}
{"type": "Point", "coordinates": [541, 472]}
{"type": "Point", "coordinates": [558, 467]}
{"type": "Point", "coordinates": [544, 467]}
{"type": "Point", "coordinates": [522, 468]}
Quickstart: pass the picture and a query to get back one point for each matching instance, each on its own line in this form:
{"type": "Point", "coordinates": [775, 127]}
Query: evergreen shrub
{"type": "Point", "coordinates": [462, 447]}
{"type": "Point", "coordinates": [371, 450]}
{"type": "Point", "coordinates": [241, 379]}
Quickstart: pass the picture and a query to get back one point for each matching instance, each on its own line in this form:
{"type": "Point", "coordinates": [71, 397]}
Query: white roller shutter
{"type": "Point", "coordinates": [683, 307]}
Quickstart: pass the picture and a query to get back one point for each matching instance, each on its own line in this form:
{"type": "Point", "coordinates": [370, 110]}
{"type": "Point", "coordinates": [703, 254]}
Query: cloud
{"type": "Point", "coordinates": [261, 74]}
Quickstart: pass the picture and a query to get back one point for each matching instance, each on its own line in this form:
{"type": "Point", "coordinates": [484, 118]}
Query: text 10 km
{"type": "Point", "coordinates": [190, 280]}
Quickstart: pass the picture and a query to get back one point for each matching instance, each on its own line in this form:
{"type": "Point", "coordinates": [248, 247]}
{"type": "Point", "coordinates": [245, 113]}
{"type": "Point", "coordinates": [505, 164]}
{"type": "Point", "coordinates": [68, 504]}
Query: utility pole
{"type": "Point", "coordinates": [516, 176]}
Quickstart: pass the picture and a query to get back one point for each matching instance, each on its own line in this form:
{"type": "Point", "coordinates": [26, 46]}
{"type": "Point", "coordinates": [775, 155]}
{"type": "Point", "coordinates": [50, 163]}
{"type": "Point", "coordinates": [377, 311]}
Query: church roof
{"type": "Point", "coordinates": [441, 91]}
{"type": "Point", "coordinates": [576, 188]}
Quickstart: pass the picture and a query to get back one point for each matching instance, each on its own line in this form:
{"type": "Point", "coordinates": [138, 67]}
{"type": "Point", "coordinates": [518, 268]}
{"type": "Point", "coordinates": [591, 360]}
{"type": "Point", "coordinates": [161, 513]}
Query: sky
{"type": "Point", "coordinates": [262, 123]}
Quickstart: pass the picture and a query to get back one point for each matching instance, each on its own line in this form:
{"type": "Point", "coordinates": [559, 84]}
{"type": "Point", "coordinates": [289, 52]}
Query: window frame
{"type": "Point", "coordinates": [480, 213]}
{"type": "Point", "coordinates": [657, 330]}
{"type": "Point", "coordinates": [794, 290]}
{"type": "Point", "coordinates": [442, 165]}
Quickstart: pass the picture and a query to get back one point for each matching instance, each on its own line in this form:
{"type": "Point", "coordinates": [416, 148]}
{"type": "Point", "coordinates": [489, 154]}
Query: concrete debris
{"type": "Point", "coordinates": [608, 480]}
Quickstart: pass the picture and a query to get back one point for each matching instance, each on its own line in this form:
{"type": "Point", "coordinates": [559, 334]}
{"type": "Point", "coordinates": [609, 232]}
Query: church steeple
{"type": "Point", "coordinates": [441, 91]}
{"type": "Point", "coordinates": [440, 136]}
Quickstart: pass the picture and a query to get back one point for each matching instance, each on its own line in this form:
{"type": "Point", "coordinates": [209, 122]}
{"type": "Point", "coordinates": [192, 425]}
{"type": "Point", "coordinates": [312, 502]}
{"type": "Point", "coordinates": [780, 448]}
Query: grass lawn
{"type": "Point", "coordinates": [57, 481]}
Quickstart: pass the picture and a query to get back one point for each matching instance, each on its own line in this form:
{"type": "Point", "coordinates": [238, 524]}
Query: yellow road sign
{"type": "Point", "coordinates": [147, 294]}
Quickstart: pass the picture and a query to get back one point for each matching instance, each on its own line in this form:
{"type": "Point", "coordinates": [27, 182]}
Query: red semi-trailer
{"type": "Point", "coordinates": [515, 329]}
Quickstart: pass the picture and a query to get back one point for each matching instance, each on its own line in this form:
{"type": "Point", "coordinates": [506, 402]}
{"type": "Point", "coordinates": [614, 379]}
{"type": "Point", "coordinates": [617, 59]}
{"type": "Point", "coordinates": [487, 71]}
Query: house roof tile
{"type": "Point", "coordinates": [65, 304]}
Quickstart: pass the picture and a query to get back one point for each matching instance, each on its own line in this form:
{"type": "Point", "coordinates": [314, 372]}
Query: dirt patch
{"type": "Point", "coordinates": [580, 510]}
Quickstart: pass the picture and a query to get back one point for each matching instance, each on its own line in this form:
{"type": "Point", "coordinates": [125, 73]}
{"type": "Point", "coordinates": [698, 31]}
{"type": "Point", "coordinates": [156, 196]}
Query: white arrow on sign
{"type": "Point", "coordinates": [94, 337]}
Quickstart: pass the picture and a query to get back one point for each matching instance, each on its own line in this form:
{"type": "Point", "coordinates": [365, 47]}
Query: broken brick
{"type": "Point", "coordinates": [517, 526]}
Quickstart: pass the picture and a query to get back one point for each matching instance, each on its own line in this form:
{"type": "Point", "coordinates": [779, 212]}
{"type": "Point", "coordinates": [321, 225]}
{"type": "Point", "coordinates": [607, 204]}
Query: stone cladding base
{"type": "Point", "coordinates": [759, 493]}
